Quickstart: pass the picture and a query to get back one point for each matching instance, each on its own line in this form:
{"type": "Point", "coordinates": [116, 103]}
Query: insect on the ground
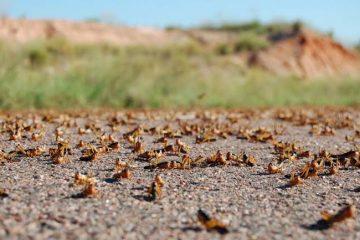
{"type": "Point", "coordinates": [211, 224]}
{"type": "Point", "coordinates": [138, 147]}
{"type": "Point", "coordinates": [295, 179]}
{"type": "Point", "coordinates": [60, 159]}
{"type": "Point", "coordinates": [115, 146]}
{"type": "Point", "coordinates": [311, 169]}
{"type": "Point", "coordinates": [80, 179]}
{"type": "Point", "coordinates": [159, 180]}
{"type": "Point", "coordinates": [90, 155]}
{"type": "Point", "coordinates": [120, 165]}
{"type": "Point", "coordinates": [80, 144]}
{"type": "Point", "coordinates": [208, 137]}
{"type": "Point", "coordinates": [59, 155]}
{"type": "Point", "coordinates": [4, 157]}
{"type": "Point", "coordinates": [154, 191]}
{"type": "Point", "coordinates": [218, 159]}
{"type": "Point", "coordinates": [15, 136]}
{"type": "Point", "coordinates": [345, 213]}
{"type": "Point", "coordinates": [37, 136]}
{"type": "Point", "coordinates": [249, 160]}
{"type": "Point", "coordinates": [182, 147]}
{"type": "Point", "coordinates": [3, 193]}
{"type": "Point", "coordinates": [81, 131]}
{"type": "Point", "coordinates": [90, 190]}
{"type": "Point", "coordinates": [58, 133]}
{"type": "Point", "coordinates": [185, 162]}
{"type": "Point", "coordinates": [124, 174]}
{"type": "Point", "coordinates": [334, 168]}
{"type": "Point", "coordinates": [274, 169]}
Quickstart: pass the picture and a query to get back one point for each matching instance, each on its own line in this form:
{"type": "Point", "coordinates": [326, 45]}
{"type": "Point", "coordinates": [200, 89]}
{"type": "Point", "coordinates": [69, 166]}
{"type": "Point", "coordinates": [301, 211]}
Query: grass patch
{"type": "Point", "coordinates": [56, 74]}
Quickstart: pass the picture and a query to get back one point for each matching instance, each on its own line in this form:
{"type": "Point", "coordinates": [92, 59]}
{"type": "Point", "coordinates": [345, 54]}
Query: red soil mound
{"type": "Point", "coordinates": [23, 30]}
{"type": "Point", "coordinates": [306, 55]}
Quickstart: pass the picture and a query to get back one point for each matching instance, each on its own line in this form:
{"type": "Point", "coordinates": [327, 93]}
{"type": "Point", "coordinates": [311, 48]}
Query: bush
{"type": "Point", "coordinates": [37, 55]}
{"type": "Point", "coordinates": [357, 47]}
{"type": "Point", "coordinates": [297, 26]}
{"type": "Point", "coordinates": [250, 42]}
{"type": "Point", "coordinates": [58, 46]}
{"type": "Point", "coordinates": [253, 26]}
{"type": "Point", "coordinates": [224, 49]}
{"type": "Point", "coordinates": [281, 27]}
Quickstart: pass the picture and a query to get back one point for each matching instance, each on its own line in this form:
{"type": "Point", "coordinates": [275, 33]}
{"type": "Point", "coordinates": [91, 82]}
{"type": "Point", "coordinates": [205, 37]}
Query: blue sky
{"type": "Point", "coordinates": [341, 17]}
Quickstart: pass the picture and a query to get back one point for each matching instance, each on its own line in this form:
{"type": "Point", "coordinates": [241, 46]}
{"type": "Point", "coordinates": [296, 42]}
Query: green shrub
{"type": "Point", "coordinates": [256, 27]}
{"type": "Point", "coordinates": [36, 55]}
{"type": "Point", "coordinates": [250, 42]}
{"type": "Point", "coordinates": [280, 27]}
{"type": "Point", "coordinates": [224, 49]}
{"type": "Point", "coordinates": [58, 46]}
{"type": "Point", "coordinates": [357, 47]}
{"type": "Point", "coordinates": [253, 26]}
{"type": "Point", "coordinates": [297, 26]}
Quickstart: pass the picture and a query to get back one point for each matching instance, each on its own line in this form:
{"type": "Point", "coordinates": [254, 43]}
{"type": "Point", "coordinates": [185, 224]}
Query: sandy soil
{"type": "Point", "coordinates": [25, 30]}
{"type": "Point", "coordinates": [309, 55]}
{"type": "Point", "coordinates": [42, 201]}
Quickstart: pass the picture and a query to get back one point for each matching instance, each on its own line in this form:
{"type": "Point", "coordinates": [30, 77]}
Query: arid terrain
{"type": "Point", "coordinates": [263, 171]}
{"type": "Point", "coordinates": [24, 30]}
{"type": "Point", "coordinates": [290, 50]}
{"type": "Point", "coordinates": [216, 174]}
{"type": "Point", "coordinates": [309, 55]}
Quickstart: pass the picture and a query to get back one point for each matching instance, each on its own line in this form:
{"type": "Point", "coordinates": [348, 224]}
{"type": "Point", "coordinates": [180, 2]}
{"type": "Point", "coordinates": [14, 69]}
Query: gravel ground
{"type": "Point", "coordinates": [42, 201]}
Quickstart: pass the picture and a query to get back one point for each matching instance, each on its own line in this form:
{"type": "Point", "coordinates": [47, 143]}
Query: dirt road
{"type": "Point", "coordinates": [42, 152]}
